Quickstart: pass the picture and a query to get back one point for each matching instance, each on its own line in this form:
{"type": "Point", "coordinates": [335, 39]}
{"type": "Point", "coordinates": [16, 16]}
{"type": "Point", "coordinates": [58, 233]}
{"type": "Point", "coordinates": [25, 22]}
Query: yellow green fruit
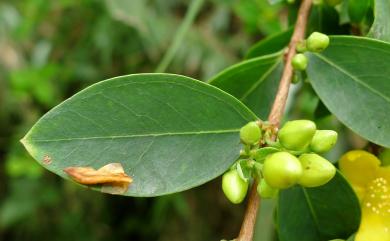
{"type": "Point", "coordinates": [250, 133]}
{"type": "Point", "coordinates": [296, 135]}
{"type": "Point", "coordinates": [317, 42]}
{"type": "Point", "coordinates": [234, 187]}
{"type": "Point", "coordinates": [299, 62]}
{"type": "Point", "coordinates": [317, 170]}
{"type": "Point", "coordinates": [281, 170]}
{"type": "Point", "coordinates": [323, 141]}
{"type": "Point", "coordinates": [265, 190]}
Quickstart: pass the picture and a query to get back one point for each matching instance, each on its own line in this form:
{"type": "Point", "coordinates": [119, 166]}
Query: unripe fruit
{"type": "Point", "coordinates": [296, 135]}
{"type": "Point", "coordinates": [250, 133]}
{"type": "Point", "coordinates": [323, 141]}
{"type": "Point", "coordinates": [281, 170]}
{"type": "Point", "coordinates": [317, 42]}
{"type": "Point", "coordinates": [265, 191]}
{"type": "Point", "coordinates": [234, 187]}
{"type": "Point", "coordinates": [317, 170]}
{"type": "Point", "coordinates": [299, 62]}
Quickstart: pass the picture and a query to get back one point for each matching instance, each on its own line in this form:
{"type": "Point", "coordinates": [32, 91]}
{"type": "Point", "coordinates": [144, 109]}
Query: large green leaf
{"type": "Point", "coordinates": [253, 81]}
{"type": "Point", "coordinates": [270, 45]}
{"type": "Point", "coordinates": [380, 29]}
{"type": "Point", "coordinates": [323, 213]}
{"type": "Point", "coordinates": [352, 78]}
{"type": "Point", "coordinates": [169, 132]}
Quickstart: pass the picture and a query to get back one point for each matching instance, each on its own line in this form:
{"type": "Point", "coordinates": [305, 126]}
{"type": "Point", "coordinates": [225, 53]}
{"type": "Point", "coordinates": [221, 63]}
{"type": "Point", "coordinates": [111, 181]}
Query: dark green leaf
{"type": "Point", "coordinates": [323, 213]}
{"type": "Point", "coordinates": [169, 132]}
{"type": "Point", "coordinates": [253, 81]}
{"type": "Point", "coordinates": [270, 45]}
{"type": "Point", "coordinates": [380, 29]}
{"type": "Point", "coordinates": [352, 79]}
{"type": "Point", "coordinates": [357, 9]}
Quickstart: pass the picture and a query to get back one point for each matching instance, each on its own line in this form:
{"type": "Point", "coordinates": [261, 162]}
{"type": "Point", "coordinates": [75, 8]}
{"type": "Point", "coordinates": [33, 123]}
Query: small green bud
{"type": "Point", "coordinates": [301, 46]}
{"type": "Point", "coordinates": [317, 42]}
{"type": "Point", "coordinates": [296, 135]}
{"type": "Point", "coordinates": [295, 79]}
{"type": "Point", "coordinates": [323, 141]}
{"type": "Point", "coordinates": [299, 62]}
{"type": "Point", "coordinates": [317, 170]}
{"type": "Point", "coordinates": [250, 133]}
{"type": "Point", "coordinates": [234, 187]}
{"type": "Point", "coordinates": [265, 191]}
{"type": "Point", "coordinates": [281, 170]}
{"type": "Point", "coordinates": [384, 156]}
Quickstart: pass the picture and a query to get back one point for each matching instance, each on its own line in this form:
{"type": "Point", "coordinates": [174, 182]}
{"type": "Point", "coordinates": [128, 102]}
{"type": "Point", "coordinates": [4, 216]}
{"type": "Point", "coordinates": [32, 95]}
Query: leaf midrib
{"type": "Point", "coordinates": [24, 140]}
{"type": "Point", "coordinates": [356, 79]}
{"type": "Point", "coordinates": [311, 208]}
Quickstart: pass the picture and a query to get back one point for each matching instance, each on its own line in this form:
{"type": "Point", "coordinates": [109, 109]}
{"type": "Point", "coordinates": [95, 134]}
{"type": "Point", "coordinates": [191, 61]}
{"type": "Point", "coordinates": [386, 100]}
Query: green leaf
{"type": "Point", "coordinates": [323, 213]}
{"type": "Point", "coordinates": [270, 45]}
{"type": "Point", "coordinates": [352, 79]}
{"type": "Point", "coordinates": [380, 29]}
{"type": "Point", "coordinates": [253, 81]}
{"type": "Point", "coordinates": [169, 132]}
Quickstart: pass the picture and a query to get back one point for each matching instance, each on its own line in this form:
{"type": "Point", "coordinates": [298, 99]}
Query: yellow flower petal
{"type": "Point", "coordinates": [360, 168]}
{"type": "Point", "coordinates": [375, 223]}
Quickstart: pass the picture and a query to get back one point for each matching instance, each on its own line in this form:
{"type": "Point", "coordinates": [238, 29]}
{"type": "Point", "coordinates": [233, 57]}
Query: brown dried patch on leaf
{"type": "Point", "coordinates": [112, 177]}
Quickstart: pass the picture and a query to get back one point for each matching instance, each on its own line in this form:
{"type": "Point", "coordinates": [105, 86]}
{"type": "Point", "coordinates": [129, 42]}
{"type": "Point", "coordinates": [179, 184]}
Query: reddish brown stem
{"type": "Point", "coordinates": [275, 116]}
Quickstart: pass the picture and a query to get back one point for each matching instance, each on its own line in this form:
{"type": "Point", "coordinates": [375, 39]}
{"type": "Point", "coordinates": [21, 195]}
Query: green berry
{"type": "Point", "coordinates": [323, 141]}
{"type": "Point", "coordinates": [317, 170]}
{"type": "Point", "coordinates": [281, 170]}
{"type": "Point", "coordinates": [317, 42]}
{"type": "Point", "coordinates": [299, 62]}
{"type": "Point", "coordinates": [296, 135]}
{"type": "Point", "coordinates": [234, 187]}
{"type": "Point", "coordinates": [265, 191]}
{"type": "Point", "coordinates": [250, 133]}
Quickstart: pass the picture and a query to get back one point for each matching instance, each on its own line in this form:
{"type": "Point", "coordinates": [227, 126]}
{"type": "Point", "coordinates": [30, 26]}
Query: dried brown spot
{"type": "Point", "coordinates": [47, 160]}
{"type": "Point", "coordinates": [112, 177]}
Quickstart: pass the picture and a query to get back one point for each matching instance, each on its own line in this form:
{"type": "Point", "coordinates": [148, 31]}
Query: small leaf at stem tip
{"type": "Point", "coordinates": [112, 177]}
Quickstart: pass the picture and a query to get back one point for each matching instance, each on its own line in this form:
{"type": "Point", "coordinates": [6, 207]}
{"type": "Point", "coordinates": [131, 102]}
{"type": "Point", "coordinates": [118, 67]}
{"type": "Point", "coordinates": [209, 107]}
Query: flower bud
{"type": "Point", "coordinates": [323, 141]}
{"type": "Point", "coordinates": [296, 135]}
{"type": "Point", "coordinates": [265, 191]}
{"type": "Point", "coordinates": [317, 170]}
{"type": "Point", "coordinates": [281, 170]}
{"type": "Point", "coordinates": [301, 46]}
{"type": "Point", "coordinates": [250, 133]}
{"type": "Point", "coordinates": [317, 42]}
{"type": "Point", "coordinates": [299, 62]}
{"type": "Point", "coordinates": [234, 187]}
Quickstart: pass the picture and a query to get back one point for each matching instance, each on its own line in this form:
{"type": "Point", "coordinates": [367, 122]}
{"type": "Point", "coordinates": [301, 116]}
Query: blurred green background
{"type": "Point", "coordinates": [49, 50]}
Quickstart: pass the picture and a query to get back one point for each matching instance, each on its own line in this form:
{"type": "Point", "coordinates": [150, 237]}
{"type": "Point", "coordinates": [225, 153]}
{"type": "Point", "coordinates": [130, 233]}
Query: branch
{"type": "Point", "coordinates": [248, 225]}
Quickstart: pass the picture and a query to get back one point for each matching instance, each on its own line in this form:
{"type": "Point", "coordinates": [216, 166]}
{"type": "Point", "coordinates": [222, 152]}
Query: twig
{"type": "Point", "coordinates": [178, 39]}
{"type": "Point", "coordinates": [248, 225]}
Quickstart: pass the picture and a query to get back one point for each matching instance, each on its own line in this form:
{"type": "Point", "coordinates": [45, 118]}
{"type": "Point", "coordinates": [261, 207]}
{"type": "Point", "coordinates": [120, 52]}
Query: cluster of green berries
{"type": "Point", "coordinates": [316, 42]}
{"type": "Point", "coordinates": [292, 159]}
